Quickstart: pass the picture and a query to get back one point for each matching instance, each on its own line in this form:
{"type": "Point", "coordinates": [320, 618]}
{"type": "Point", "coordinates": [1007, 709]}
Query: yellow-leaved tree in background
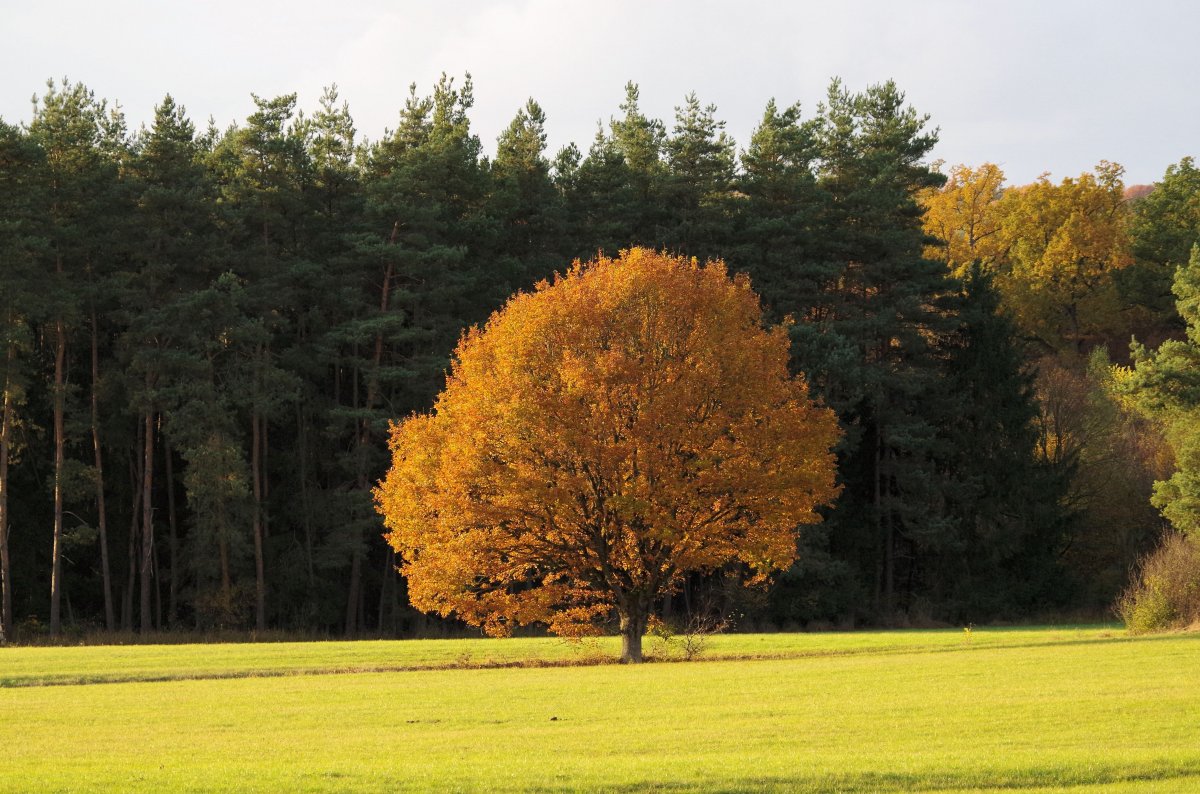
{"type": "Point", "coordinates": [1054, 250]}
{"type": "Point", "coordinates": [964, 216]}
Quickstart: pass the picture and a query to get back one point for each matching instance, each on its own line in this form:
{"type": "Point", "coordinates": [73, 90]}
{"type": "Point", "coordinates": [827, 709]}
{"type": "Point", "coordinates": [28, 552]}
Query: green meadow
{"type": "Point", "coordinates": [1054, 709]}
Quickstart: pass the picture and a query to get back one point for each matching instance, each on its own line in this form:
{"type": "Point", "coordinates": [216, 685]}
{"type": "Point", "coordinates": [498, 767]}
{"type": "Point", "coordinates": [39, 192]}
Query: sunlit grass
{"type": "Point", "coordinates": [1050, 709]}
{"type": "Point", "coordinates": [93, 664]}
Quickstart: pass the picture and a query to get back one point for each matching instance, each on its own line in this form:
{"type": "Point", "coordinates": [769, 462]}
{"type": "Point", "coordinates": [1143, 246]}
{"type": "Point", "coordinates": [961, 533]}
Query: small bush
{"type": "Point", "coordinates": [1165, 593]}
{"type": "Point", "coordinates": [687, 639]}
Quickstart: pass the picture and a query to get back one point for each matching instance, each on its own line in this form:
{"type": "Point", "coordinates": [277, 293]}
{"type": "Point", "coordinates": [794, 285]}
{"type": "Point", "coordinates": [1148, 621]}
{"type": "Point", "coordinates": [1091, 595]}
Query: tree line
{"type": "Point", "coordinates": [205, 333]}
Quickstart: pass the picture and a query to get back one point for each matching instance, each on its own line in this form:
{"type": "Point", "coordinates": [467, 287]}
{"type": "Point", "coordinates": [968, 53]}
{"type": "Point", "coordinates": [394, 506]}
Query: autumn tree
{"type": "Point", "coordinates": [600, 438]}
{"type": "Point", "coordinates": [1064, 244]}
{"type": "Point", "coordinates": [964, 215]}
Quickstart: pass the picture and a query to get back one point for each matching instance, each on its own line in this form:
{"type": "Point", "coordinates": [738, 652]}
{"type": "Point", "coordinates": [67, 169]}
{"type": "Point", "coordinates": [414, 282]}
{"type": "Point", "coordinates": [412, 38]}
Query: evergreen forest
{"type": "Point", "coordinates": [205, 334]}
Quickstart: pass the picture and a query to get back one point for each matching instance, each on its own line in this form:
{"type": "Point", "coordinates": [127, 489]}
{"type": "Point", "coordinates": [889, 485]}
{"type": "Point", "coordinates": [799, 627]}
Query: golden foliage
{"type": "Point", "coordinates": [1065, 242]}
{"type": "Point", "coordinates": [964, 215]}
{"type": "Point", "coordinates": [603, 435]}
{"type": "Point", "coordinates": [1054, 248]}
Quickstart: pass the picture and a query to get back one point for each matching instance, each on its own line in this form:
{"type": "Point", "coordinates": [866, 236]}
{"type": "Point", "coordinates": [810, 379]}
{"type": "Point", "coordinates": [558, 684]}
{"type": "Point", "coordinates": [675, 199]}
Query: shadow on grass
{"type": "Point", "coordinates": [1041, 778]}
{"type": "Point", "coordinates": [587, 660]}
{"type": "Point", "coordinates": [222, 675]}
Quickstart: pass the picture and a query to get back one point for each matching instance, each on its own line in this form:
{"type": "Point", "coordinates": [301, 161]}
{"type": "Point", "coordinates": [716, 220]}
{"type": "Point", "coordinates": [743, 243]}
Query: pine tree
{"type": "Point", "coordinates": [639, 141]}
{"type": "Point", "coordinates": [21, 239]}
{"type": "Point", "coordinates": [778, 233]}
{"type": "Point", "coordinates": [1009, 504]}
{"type": "Point", "coordinates": [68, 126]}
{"type": "Point", "coordinates": [421, 280]}
{"type": "Point", "coordinates": [175, 237]}
{"type": "Point", "coordinates": [701, 161]}
{"type": "Point", "coordinates": [525, 203]}
{"type": "Point", "coordinates": [881, 369]}
{"type": "Point", "coordinates": [1165, 384]}
{"type": "Point", "coordinates": [598, 194]}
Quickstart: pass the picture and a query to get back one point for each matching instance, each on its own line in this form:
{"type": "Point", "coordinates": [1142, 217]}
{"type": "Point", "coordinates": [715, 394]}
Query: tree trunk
{"type": "Point", "coordinates": [386, 585]}
{"type": "Point", "coordinates": [158, 605]}
{"type": "Point", "coordinates": [56, 571]}
{"type": "Point", "coordinates": [352, 597]}
{"type": "Point", "coordinates": [223, 553]}
{"type": "Point", "coordinates": [135, 481]}
{"type": "Point", "coordinates": [173, 586]}
{"type": "Point", "coordinates": [264, 427]}
{"type": "Point", "coordinates": [889, 560]}
{"type": "Point", "coordinates": [6, 614]}
{"type": "Point", "coordinates": [260, 585]}
{"type": "Point", "coordinates": [889, 567]}
{"type": "Point", "coordinates": [360, 480]}
{"type": "Point", "coordinates": [633, 628]}
{"type": "Point", "coordinates": [305, 500]}
{"type": "Point", "coordinates": [110, 621]}
{"type": "Point", "coordinates": [364, 439]}
{"type": "Point", "coordinates": [147, 567]}
{"type": "Point", "coordinates": [880, 573]}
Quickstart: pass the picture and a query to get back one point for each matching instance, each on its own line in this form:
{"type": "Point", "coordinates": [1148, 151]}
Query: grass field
{"type": "Point", "coordinates": [1017, 709]}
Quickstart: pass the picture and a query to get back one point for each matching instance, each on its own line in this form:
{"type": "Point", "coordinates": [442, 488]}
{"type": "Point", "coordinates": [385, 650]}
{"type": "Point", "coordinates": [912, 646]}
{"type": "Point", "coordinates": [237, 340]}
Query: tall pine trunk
{"type": "Point", "coordinates": [173, 539]}
{"type": "Point", "coordinates": [56, 567]}
{"type": "Point", "coordinates": [877, 518]}
{"type": "Point", "coordinates": [305, 498]}
{"type": "Point", "coordinates": [102, 514]}
{"type": "Point", "coordinates": [135, 483]}
{"type": "Point", "coordinates": [6, 412]}
{"type": "Point", "coordinates": [889, 549]}
{"type": "Point", "coordinates": [260, 584]}
{"type": "Point", "coordinates": [147, 565]}
{"type": "Point", "coordinates": [354, 598]}
{"type": "Point", "coordinates": [223, 553]}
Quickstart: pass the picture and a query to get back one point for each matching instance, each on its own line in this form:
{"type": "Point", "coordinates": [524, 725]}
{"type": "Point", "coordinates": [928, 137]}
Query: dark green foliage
{"type": "Point", "coordinates": [1164, 227]}
{"type": "Point", "coordinates": [264, 300]}
{"type": "Point", "coordinates": [880, 320]}
{"type": "Point", "coordinates": [1165, 384]}
{"type": "Point", "coordinates": [1008, 502]}
{"type": "Point", "coordinates": [524, 203]}
{"type": "Point", "coordinates": [698, 190]}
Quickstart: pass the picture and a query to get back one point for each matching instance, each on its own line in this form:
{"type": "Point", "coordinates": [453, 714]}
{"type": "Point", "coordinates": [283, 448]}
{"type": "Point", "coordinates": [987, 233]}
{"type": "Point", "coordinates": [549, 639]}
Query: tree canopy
{"type": "Point", "coordinates": [601, 437]}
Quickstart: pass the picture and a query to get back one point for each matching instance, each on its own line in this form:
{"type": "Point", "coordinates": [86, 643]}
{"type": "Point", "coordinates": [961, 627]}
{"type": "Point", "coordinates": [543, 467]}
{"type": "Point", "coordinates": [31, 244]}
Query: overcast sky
{"type": "Point", "coordinates": [1040, 85]}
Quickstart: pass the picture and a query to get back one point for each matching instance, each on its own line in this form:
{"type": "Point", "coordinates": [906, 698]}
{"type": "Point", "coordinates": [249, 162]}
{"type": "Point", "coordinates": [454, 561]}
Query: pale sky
{"type": "Point", "coordinates": [1034, 85]}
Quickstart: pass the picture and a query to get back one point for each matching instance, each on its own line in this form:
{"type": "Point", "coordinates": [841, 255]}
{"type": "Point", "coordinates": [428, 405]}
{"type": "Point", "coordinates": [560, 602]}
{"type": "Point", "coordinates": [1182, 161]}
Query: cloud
{"type": "Point", "coordinates": [1039, 86]}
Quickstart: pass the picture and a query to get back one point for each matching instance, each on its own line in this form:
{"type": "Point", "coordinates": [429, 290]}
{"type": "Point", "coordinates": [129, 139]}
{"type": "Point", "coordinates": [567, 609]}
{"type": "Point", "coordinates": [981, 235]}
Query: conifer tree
{"type": "Point", "coordinates": [524, 201]}
{"type": "Point", "coordinates": [1007, 501]}
{"type": "Point", "coordinates": [21, 238]}
{"type": "Point", "coordinates": [883, 310]}
{"type": "Point", "coordinates": [67, 125]}
{"type": "Point", "coordinates": [1165, 384]}
{"type": "Point", "coordinates": [175, 241]}
{"type": "Point", "coordinates": [701, 162]}
{"type": "Point", "coordinates": [422, 281]}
